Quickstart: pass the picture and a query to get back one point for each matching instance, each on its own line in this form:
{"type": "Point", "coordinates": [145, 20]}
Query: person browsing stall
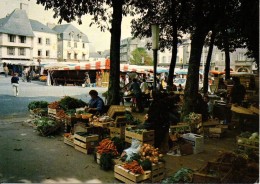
{"type": "Point", "coordinates": [96, 104]}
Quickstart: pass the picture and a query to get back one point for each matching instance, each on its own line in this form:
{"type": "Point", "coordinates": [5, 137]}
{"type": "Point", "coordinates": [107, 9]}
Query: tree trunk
{"type": "Point", "coordinates": [227, 56]}
{"type": "Point", "coordinates": [207, 65]}
{"type": "Point", "coordinates": [192, 84]}
{"type": "Point", "coordinates": [174, 48]}
{"type": "Point", "coordinates": [114, 89]}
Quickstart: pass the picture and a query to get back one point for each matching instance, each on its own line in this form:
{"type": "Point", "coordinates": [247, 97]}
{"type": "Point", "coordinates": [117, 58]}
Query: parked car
{"type": "Point", "coordinates": [183, 81]}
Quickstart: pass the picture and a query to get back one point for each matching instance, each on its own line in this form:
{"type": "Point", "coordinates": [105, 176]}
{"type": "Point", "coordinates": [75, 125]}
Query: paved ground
{"type": "Point", "coordinates": [27, 157]}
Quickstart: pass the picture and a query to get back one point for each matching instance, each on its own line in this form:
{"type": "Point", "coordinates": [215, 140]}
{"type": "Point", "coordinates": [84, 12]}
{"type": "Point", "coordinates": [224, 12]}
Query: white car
{"type": "Point", "coordinates": [183, 81]}
{"type": "Point", "coordinates": [179, 81]}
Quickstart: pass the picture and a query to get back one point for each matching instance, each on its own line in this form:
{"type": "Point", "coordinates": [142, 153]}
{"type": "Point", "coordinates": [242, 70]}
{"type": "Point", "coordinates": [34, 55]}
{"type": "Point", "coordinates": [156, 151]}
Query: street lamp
{"type": "Point", "coordinates": [155, 46]}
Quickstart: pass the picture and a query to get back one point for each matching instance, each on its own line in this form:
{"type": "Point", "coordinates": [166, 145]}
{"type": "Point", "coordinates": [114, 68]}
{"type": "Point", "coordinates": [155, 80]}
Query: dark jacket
{"type": "Point", "coordinates": [14, 79]}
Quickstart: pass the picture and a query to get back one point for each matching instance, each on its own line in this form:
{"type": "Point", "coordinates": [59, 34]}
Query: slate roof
{"type": "Point", "coordinates": [17, 23]}
{"type": "Point", "coordinates": [37, 26]}
{"type": "Point", "coordinates": [65, 30]}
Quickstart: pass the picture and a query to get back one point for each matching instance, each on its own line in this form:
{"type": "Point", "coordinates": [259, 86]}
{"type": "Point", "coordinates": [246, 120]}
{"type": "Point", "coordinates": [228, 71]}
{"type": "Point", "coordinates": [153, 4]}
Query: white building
{"type": "Point", "coordinates": [16, 38]}
{"type": "Point", "coordinates": [72, 44]}
{"type": "Point", "coordinates": [44, 43]}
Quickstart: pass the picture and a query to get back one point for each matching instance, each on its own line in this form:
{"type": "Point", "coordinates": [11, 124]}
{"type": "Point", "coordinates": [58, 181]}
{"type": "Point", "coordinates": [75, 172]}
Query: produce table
{"type": "Point", "coordinates": [246, 116]}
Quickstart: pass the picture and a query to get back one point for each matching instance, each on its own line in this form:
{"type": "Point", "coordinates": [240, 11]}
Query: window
{"type": "Point", "coordinates": [48, 42]}
{"type": "Point", "coordinates": [22, 39]}
{"type": "Point", "coordinates": [222, 56]}
{"type": "Point", "coordinates": [39, 52]}
{"type": "Point", "coordinates": [83, 45]}
{"type": "Point", "coordinates": [75, 44]}
{"type": "Point", "coordinates": [40, 40]}
{"type": "Point", "coordinates": [10, 51]}
{"type": "Point", "coordinates": [22, 51]}
{"type": "Point", "coordinates": [69, 44]}
{"type": "Point", "coordinates": [69, 56]}
{"type": "Point", "coordinates": [11, 38]}
{"type": "Point", "coordinates": [47, 53]}
{"type": "Point", "coordinates": [75, 56]}
{"type": "Point", "coordinates": [83, 56]}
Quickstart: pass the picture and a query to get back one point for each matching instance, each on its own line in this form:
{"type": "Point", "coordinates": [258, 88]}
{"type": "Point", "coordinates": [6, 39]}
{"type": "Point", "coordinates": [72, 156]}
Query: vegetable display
{"type": "Point", "coordinates": [135, 130]}
{"type": "Point", "coordinates": [54, 105]}
{"type": "Point", "coordinates": [107, 146]}
{"type": "Point", "coordinates": [37, 104]}
{"type": "Point", "coordinates": [106, 162]}
{"type": "Point", "coordinates": [46, 126]}
{"type": "Point", "coordinates": [61, 114]}
{"type": "Point", "coordinates": [68, 102]}
{"type": "Point", "coordinates": [183, 175]}
{"type": "Point", "coordinates": [134, 167]}
{"type": "Point", "coordinates": [149, 152]}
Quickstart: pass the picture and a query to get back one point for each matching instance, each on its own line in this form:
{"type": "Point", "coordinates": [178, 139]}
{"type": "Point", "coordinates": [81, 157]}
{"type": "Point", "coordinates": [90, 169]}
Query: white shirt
{"type": "Point", "coordinates": [144, 87]}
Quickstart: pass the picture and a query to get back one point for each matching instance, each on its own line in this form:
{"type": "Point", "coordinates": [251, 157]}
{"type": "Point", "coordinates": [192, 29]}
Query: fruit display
{"type": "Point", "coordinates": [149, 152]}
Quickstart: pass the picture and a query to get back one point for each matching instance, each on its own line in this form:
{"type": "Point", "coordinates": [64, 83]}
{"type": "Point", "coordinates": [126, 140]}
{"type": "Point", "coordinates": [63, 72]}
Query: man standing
{"type": "Point", "coordinates": [14, 82]}
{"type": "Point", "coordinates": [237, 92]}
{"type": "Point", "coordinates": [135, 88]}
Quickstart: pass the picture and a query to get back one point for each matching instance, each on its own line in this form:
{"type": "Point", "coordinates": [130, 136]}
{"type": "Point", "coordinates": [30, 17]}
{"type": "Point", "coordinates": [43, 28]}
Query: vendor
{"type": "Point", "coordinates": [96, 104]}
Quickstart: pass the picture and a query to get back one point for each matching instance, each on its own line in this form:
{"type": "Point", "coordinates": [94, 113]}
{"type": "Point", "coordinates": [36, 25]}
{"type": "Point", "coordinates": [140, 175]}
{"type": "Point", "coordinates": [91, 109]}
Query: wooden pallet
{"type": "Point", "coordinates": [145, 137]}
{"type": "Point", "coordinates": [126, 176]}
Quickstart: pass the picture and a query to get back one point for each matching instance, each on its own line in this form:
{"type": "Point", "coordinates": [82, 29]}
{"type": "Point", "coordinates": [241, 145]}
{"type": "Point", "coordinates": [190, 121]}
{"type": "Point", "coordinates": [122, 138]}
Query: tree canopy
{"type": "Point", "coordinates": [141, 57]}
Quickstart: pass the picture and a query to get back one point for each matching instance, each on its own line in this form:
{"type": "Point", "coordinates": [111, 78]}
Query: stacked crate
{"type": "Point", "coordinates": [85, 144]}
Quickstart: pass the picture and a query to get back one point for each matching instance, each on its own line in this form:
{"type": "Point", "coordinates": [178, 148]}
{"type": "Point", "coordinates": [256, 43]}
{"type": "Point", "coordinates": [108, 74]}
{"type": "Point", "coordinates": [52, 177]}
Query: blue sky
{"type": "Point", "coordinates": [100, 40]}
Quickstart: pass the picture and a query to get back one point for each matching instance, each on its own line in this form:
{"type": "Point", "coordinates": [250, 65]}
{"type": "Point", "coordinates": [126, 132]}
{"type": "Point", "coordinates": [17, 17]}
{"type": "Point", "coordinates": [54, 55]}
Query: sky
{"type": "Point", "coordinates": [100, 40]}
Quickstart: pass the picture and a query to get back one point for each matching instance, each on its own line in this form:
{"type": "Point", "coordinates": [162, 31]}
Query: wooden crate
{"type": "Point", "coordinates": [52, 111]}
{"type": "Point", "coordinates": [222, 173]}
{"type": "Point", "coordinates": [216, 130]}
{"type": "Point", "coordinates": [117, 132]}
{"type": "Point", "coordinates": [85, 144]}
{"type": "Point", "coordinates": [248, 143]}
{"type": "Point", "coordinates": [115, 108]}
{"type": "Point", "coordinates": [180, 128]}
{"type": "Point", "coordinates": [101, 124]}
{"type": "Point", "coordinates": [120, 121]}
{"type": "Point", "coordinates": [126, 176]}
{"type": "Point", "coordinates": [69, 140]}
{"type": "Point", "coordinates": [158, 172]}
{"type": "Point", "coordinates": [145, 137]}
{"type": "Point", "coordinates": [84, 150]}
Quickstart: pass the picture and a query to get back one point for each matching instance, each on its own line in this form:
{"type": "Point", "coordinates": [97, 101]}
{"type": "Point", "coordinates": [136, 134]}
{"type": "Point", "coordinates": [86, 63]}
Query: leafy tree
{"type": "Point", "coordinates": [141, 57]}
{"type": "Point", "coordinates": [166, 13]}
{"type": "Point", "coordinates": [107, 14]}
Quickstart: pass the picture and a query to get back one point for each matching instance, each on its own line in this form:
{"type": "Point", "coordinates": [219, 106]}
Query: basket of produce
{"type": "Point", "coordinates": [47, 126]}
{"type": "Point", "coordinates": [86, 115]}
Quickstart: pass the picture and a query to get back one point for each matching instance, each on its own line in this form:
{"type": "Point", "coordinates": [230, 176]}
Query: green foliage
{"type": "Point", "coordinates": [46, 125]}
{"type": "Point", "coordinates": [146, 165]}
{"type": "Point", "coordinates": [37, 104]}
{"type": "Point", "coordinates": [135, 156]}
{"type": "Point", "coordinates": [67, 103]}
{"type": "Point", "coordinates": [106, 161]}
{"type": "Point", "coordinates": [71, 112]}
{"type": "Point", "coordinates": [119, 143]}
{"type": "Point", "coordinates": [141, 57]}
{"type": "Point", "coordinates": [183, 175]}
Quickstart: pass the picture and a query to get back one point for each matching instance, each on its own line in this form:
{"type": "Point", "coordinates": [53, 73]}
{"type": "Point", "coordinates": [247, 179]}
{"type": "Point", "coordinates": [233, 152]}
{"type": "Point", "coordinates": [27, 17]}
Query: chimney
{"type": "Point", "coordinates": [51, 25]}
{"type": "Point", "coordinates": [24, 6]}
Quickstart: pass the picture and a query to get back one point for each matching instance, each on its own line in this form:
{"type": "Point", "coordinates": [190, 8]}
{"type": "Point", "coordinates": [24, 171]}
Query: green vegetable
{"type": "Point", "coordinates": [37, 104]}
{"type": "Point", "coordinates": [119, 143]}
{"type": "Point", "coordinates": [182, 175]}
{"type": "Point", "coordinates": [106, 161]}
{"type": "Point", "coordinates": [46, 126]}
{"type": "Point", "coordinates": [67, 103]}
{"type": "Point", "coordinates": [71, 112]}
{"type": "Point", "coordinates": [136, 157]}
{"type": "Point", "coordinates": [146, 164]}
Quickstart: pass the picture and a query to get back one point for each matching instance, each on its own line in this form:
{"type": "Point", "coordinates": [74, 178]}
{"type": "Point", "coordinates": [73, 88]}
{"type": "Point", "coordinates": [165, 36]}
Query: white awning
{"type": "Point", "coordinates": [21, 62]}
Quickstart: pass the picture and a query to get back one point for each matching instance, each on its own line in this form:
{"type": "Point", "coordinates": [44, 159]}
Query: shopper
{"type": "Point", "coordinates": [237, 92]}
{"type": "Point", "coordinates": [135, 88]}
{"type": "Point", "coordinates": [15, 83]}
{"type": "Point", "coordinates": [96, 104]}
{"type": "Point", "coordinates": [6, 70]}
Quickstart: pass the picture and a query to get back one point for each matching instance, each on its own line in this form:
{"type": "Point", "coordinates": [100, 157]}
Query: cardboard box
{"type": "Point", "coordinates": [196, 140]}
